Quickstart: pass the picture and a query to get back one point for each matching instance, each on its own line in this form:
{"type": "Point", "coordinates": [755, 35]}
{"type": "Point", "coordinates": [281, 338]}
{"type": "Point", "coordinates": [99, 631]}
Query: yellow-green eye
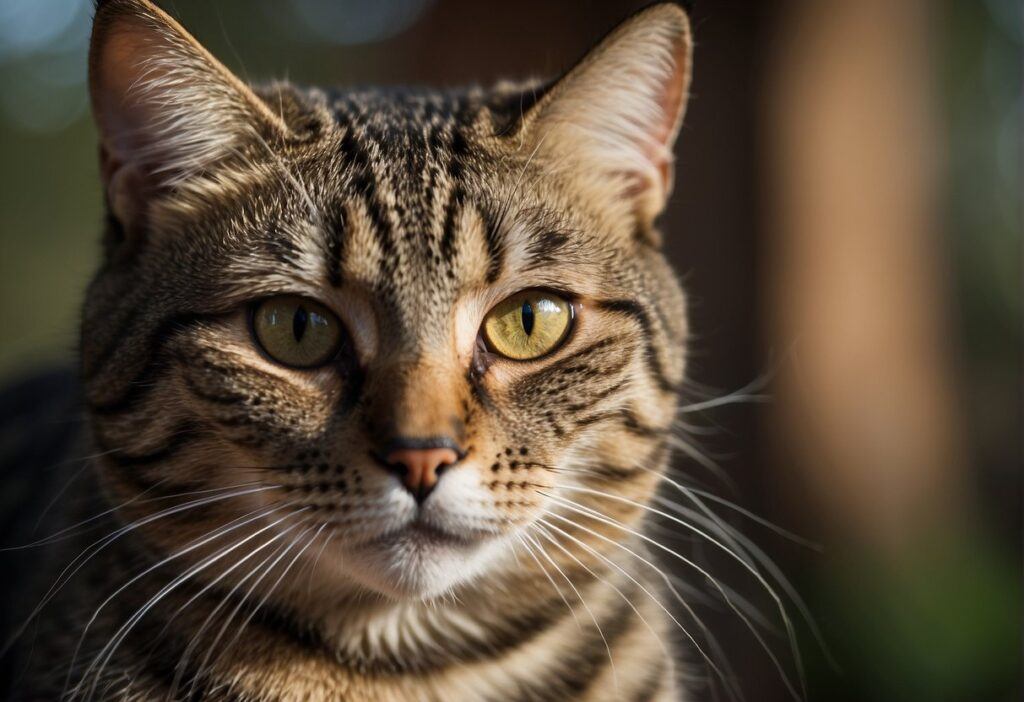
{"type": "Point", "coordinates": [528, 324]}
{"type": "Point", "coordinates": [296, 331]}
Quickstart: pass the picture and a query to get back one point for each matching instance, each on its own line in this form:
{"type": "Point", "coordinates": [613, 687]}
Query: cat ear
{"type": "Point", "coordinates": [617, 112]}
{"type": "Point", "coordinates": [166, 109]}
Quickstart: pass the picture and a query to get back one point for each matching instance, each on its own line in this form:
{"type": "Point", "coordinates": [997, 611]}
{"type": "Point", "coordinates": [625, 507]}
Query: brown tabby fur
{"type": "Point", "coordinates": [410, 213]}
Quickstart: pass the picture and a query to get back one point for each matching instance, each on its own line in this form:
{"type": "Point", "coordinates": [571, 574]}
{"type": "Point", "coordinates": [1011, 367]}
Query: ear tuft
{"type": "Point", "coordinates": [618, 111]}
{"type": "Point", "coordinates": [166, 109]}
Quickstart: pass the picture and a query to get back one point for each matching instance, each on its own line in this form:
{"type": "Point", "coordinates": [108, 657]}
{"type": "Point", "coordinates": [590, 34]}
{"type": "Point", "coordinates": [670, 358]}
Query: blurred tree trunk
{"type": "Point", "coordinates": [856, 289]}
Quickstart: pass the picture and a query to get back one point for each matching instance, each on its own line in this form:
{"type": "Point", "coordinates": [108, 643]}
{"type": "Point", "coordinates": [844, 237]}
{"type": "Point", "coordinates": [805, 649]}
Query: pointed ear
{"type": "Point", "coordinates": [617, 112]}
{"type": "Point", "coordinates": [166, 109]}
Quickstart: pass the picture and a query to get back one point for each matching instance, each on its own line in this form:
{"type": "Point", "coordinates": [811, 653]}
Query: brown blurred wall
{"type": "Point", "coordinates": [856, 285]}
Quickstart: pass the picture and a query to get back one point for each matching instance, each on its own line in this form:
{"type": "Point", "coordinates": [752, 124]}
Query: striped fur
{"type": "Point", "coordinates": [268, 552]}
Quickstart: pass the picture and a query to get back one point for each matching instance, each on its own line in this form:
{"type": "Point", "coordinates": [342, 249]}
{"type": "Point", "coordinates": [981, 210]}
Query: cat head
{"type": "Point", "coordinates": [390, 332]}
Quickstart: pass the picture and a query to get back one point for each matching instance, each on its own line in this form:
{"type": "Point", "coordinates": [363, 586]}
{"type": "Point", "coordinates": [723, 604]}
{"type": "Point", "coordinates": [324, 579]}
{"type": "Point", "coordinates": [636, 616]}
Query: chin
{"type": "Point", "coordinates": [419, 563]}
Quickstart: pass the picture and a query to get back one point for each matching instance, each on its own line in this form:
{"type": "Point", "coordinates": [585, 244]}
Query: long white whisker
{"type": "Point", "coordinates": [64, 534]}
{"type": "Point", "coordinates": [316, 562]}
{"type": "Point", "coordinates": [260, 605]}
{"type": "Point", "coordinates": [86, 463]}
{"type": "Point", "coordinates": [593, 617]}
{"type": "Point", "coordinates": [107, 652]}
{"type": "Point", "coordinates": [703, 461]}
{"type": "Point", "coordinates": [708, 636]}
{"type": "Point", "coordinates": [781, 531]}
{"type": "Point", "coordinates": [748, 393]}
{"type": "Point", "coordinates": [89, 552]}
{"type": "Point", "coordinates": [733, 535]}
{"type": "Point", "coordinates": [582, 509]}
{"type": "Point", "coordinates": [636, 582]}
{"type": "Point", "coordinates": [258, 568]}
{"type": "Point", "coordinates": [522, 538]}
{"type": "Point", "coordinates": [202, 564]}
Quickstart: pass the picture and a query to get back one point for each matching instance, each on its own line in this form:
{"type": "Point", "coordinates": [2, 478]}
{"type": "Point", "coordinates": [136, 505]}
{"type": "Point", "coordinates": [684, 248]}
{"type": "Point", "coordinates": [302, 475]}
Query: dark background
{"type": "Point", "coordinates": [847, 224]}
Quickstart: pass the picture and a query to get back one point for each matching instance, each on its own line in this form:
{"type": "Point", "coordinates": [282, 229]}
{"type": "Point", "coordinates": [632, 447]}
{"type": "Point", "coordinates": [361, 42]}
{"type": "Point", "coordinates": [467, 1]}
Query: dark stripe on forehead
{"type": "Point", "coordinates": [364, 185]}
{"type": "Point", "coordinates": [279, 246]}
{"type": "Point", "coordinates": [494, 238]}
{"type": "Point", "coordinates": [335, 247]}
{"type": "Point", "coordinates": [458, 150]}
{"type": "Point", "coordinates": [448, 233]}
{"type": "Point", "coordinates": [545, 247]}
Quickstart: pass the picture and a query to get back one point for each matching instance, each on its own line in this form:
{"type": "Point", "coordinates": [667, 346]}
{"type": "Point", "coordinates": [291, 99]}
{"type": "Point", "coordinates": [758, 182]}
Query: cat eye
{"type": "Point", "coordinates": [528, 325]}
{"type": "Point", "coordinates": [296, 332]}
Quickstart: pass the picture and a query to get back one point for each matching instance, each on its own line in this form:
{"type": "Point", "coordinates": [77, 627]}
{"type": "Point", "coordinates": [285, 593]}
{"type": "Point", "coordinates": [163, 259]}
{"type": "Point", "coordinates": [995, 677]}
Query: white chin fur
{"type": "Point", "coordinates": [411, 569]}
{"type": "Point", "coordinates": [421, 563]}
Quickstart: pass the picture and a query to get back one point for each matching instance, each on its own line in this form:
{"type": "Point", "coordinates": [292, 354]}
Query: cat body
{"type": "Point", "coordinates": [376, 385]}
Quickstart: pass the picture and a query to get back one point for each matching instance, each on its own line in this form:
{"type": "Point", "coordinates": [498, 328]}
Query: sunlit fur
{"type": "Point", "coordinates": [266, 554]}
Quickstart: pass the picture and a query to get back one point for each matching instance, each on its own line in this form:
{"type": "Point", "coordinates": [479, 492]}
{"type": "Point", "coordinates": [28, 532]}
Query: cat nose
{"type": "Point", "coordinates": [419, 463]}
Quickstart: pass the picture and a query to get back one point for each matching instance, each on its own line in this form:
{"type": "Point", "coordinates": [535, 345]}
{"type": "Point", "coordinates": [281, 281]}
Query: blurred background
{"type": "Point", "coordinates": [848, 225]}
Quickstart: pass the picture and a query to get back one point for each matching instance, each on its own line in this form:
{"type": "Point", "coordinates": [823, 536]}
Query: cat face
{"type": "Point", "coordinates": [379, 334]}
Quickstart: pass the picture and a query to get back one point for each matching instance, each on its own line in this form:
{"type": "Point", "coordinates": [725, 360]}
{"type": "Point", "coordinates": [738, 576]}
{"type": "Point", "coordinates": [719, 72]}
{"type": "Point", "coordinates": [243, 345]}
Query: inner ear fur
{"type": "Point", "coordinates": [166, 109]}
{"type": "Point", "coordinates": [617, 112]}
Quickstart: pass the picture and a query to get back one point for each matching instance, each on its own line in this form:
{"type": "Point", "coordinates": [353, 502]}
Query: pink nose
{"type": "Point", "coordinates": [420, 467]}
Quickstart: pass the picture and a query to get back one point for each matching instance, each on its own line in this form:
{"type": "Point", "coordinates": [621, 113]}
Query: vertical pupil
{"type": "Point", "coordinates": [527, 314]}
{"type": "Point", "coordinates": [299, 322]}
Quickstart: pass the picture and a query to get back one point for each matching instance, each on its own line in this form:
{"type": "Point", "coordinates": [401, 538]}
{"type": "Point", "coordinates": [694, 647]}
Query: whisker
{"type": "Point", "coordinates": [276, 555]}
{"type": "Point", "coordinates": [259, 606]}
{"type": "Point", "coordinates": [89, 552]}
{"type": "Point", "coordinates": [747, 394]}
{"type": "Point", "coordinates": [590, 612]}
{"type": "Point", "coordinates": [732, 536]}
{"type": "Point", "coordinates": [218, 533]}
{"type": "Point", "coordinates": [576, 507]}
{"type": "Point", "coordinates": [702, 597]}
{"type": "Point", "coordinates": [709, 637]}
{"type": "Point", "coordinates": [213, 583]}
{"type": "Point", "coordinates": [636, 582]}
{"type": "Point", "coordinates": [741, 542]}
{"type": "Point", "coordinates": [316, 561]}
{"type": "Point", "coordinates": [703, 461]}
{"type": "Point", "coordinates": [522, 538]}
{"type": "Point", "coordinates": [86, 462]}
{"type": "Point", "coordinates": [781, 531]}
{"type": "Point", "coordinates": [63, 534]}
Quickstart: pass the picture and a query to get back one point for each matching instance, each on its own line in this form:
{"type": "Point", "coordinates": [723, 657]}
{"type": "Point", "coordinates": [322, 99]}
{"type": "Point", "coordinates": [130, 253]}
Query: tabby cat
{"type": "Point", "coordinates": [377, 385]}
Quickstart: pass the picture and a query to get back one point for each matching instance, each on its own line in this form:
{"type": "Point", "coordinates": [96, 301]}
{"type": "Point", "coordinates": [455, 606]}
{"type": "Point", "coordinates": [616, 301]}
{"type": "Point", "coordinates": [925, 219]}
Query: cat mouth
{"type": "Point", "coordinates": [420, 533]}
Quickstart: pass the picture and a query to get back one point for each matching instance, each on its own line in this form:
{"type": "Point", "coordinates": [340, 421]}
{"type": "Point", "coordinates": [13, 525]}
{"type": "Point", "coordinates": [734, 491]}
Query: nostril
{"type": "Point", "coordinates": [420, 466]}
